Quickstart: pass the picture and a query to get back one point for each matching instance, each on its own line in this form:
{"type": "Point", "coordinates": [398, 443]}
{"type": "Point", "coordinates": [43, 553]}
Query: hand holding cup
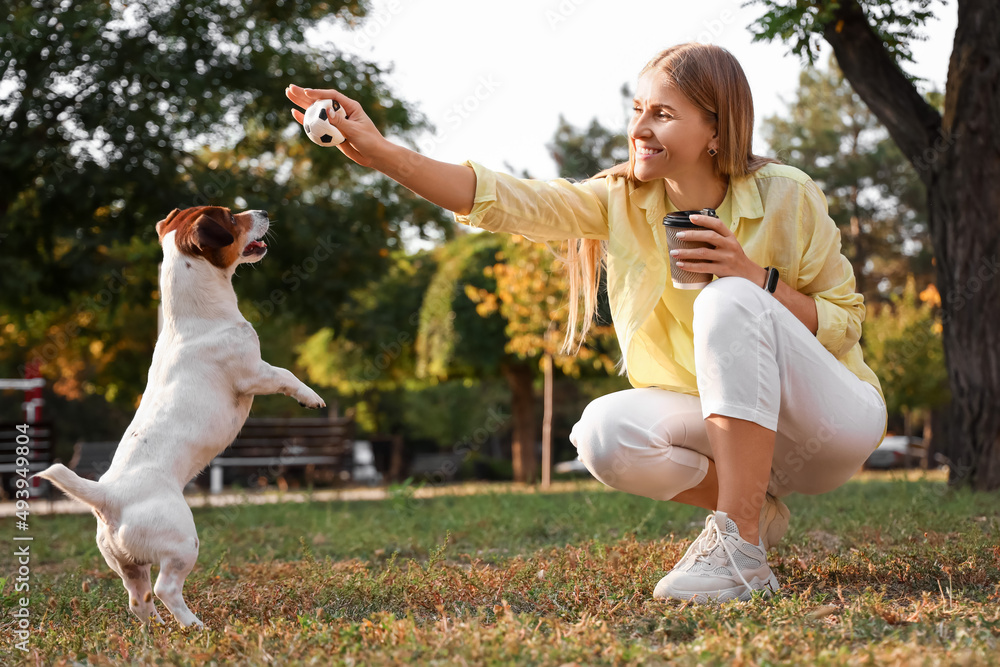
{"type": "Point", "coordinates": [704, 246]}
{"type": "Point", "coordinates": [677, 225]}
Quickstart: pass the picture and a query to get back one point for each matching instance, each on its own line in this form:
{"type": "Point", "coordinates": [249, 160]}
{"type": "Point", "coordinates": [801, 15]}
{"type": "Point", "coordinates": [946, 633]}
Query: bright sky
{"type": "Point", "coordinates": [494, 77]}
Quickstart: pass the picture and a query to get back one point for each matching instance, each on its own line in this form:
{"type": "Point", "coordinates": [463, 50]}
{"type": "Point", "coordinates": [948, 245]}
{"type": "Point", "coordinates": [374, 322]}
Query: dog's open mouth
{"type": "Point", "coordinates": [255, 248]}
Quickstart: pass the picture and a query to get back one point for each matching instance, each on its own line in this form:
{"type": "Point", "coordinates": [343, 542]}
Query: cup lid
{"type": "Point", "coordinates": [680, 219]}
{"type": "Point", "coordinates": [683, 218]}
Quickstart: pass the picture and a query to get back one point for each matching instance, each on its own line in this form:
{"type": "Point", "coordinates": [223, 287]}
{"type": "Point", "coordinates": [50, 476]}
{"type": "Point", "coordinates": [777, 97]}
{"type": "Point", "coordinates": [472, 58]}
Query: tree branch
{"type": "Point", "coordinates": [913, 123]}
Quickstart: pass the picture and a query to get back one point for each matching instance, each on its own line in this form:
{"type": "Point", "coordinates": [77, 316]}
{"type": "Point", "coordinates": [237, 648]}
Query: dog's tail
{"type": "Point", "coordinates": [86, 491]}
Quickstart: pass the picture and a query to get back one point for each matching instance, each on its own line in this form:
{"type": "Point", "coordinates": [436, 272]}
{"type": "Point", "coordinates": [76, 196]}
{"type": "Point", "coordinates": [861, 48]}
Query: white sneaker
{"type": "Point", "coordinates": [723, 567]}
{"type": "Point", "coordinates": [774, 517]}
{"type": "Point", "coordinates": [773, 525]}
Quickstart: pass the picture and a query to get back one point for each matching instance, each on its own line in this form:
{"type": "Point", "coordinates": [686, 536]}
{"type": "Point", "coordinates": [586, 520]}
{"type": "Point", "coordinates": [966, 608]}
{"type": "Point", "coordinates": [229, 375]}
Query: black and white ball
{"type": "Point", "coordinates": [317, 122]}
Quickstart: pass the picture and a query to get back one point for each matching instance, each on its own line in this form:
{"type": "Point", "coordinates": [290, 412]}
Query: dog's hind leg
{"type": "Point", "coordinates": [174, 569]}
{"type": "Point", "coordinates": [177, 559]}
{"type": "Point", "coordinates": [140, 593]}
{"type": "Point", "coordinates": [135, 577]}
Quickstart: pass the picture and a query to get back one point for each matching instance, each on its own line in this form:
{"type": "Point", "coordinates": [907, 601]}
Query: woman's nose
{"type": "Point", "coordinates": [639, 128]}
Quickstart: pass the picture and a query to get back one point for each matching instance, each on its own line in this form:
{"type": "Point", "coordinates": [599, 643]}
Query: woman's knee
{"type": "Point", "coordinates": [594, 437]}
{"type": "Point", "coordinates": [623, 453]}
{"type": "Point", "coordinates": [728, 300]}
{"type": "Point", "coordinates": [727, 316]}
{"type": "Point", "coordinates": [601, 448]}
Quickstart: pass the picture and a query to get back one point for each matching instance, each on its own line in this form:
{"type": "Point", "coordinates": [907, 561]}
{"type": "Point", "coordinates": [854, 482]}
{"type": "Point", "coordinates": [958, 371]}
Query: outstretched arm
{"type": "Point", "coordinates": [450, 186]}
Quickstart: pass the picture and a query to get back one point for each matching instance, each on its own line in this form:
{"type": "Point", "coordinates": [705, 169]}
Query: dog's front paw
{"type": "Point", "coordinates": [310, 399]}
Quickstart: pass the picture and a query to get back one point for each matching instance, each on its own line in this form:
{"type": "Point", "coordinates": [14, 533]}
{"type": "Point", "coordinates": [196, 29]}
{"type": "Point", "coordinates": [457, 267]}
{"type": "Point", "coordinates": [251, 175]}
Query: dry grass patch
{"type": "Point", "coordinates": [853, 592]}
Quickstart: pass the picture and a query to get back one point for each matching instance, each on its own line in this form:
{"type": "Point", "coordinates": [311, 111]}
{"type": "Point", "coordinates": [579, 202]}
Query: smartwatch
{"type": "Point", "coordinates": [771, 282]}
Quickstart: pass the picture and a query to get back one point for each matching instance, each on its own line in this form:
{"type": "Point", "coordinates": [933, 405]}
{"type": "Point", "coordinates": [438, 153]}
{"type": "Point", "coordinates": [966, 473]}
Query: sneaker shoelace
{"type": "Point", "coordinates": [712, 541]}
{"type": "Point", "coordinates": [696, 548]}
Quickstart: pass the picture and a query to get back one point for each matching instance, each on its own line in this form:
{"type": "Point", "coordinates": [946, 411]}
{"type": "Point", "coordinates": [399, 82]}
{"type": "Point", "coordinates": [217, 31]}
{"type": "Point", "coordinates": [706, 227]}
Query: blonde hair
{"type": "Point", "coordinates": [712, 79]}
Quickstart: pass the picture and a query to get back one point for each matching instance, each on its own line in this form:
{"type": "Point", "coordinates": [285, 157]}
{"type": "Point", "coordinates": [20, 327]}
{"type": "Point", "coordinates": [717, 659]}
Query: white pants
{"type": "Point", "coordinates": [754, 360]}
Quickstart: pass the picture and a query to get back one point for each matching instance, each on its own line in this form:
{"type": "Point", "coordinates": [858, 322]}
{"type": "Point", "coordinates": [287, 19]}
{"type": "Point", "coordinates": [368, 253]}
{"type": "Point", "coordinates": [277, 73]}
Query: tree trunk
{"type": "Point", "coordinates": [965, 225]}
{"type": "Point", "coordinates": [396, 459]}
{"type": "Point", "coordinates": [928, 437]}
{"type": "Point", "coordinates": [547, 424]}
{"type": "Point", "coordinates": [522, 409]}
{"type": "Point", "coordinates": [958, 160]}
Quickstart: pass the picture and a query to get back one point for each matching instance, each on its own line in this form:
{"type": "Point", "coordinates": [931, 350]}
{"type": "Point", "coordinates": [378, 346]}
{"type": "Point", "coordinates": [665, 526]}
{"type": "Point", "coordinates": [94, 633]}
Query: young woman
{"type": "Point", "coordinates": [747, 390]}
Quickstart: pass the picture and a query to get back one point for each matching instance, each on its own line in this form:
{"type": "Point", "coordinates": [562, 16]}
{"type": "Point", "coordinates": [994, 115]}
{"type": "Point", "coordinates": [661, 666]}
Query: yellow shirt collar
{"type": "Point", "coordinates": [743, 193]}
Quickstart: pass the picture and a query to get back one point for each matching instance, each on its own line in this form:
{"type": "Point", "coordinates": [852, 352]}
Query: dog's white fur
{"type": "Point", "coordinates": [206, 370]}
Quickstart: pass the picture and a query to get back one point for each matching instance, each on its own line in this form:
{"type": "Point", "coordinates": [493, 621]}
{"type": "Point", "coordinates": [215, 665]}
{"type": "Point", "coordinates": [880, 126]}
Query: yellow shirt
{"type": "Point", "coordinates": [778, 215]}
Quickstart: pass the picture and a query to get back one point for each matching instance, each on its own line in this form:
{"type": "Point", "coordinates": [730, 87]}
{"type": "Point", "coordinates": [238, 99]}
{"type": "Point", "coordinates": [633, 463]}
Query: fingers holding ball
{"type": "Point", "coordinates": [319, 125]}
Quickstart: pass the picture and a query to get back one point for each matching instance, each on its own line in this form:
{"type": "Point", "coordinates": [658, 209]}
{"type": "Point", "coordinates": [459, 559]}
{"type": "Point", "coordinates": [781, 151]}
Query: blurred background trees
{"type": "Point", "coordinates": [902, 342]}
{"type": "Point", "coordinates": [116, 113]}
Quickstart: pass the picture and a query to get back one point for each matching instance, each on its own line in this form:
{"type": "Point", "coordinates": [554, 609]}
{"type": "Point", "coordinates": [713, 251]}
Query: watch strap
{"type": "Point", "coordinates": [771, 281]}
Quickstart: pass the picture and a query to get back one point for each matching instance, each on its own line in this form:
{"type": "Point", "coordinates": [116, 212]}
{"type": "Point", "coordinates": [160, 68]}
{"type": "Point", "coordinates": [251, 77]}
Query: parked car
{"type": "Point", "coordinates": [897, 451]}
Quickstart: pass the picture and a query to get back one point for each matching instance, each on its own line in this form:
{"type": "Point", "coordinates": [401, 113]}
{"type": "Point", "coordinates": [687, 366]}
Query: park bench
{"type": "Point", "coordinates": [272, 445]}
{"type": "Point", "coordinates": [39, 455]}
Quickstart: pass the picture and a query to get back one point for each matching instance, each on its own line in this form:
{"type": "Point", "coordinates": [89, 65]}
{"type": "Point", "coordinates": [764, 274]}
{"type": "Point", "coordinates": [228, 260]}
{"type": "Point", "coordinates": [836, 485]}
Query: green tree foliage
{"type": "Point", "coordinates": [531, 292]}
{"type": "Point", "coordinates": [116, 113]}
{"type": "Point", "coordinates": [902, 342]}
{"type": "Point", "coordinates": [897, 23]}
{"type": "Point", "coordinates": [456, 414]}
{"type": "Point", "coordinates": [411, 339]}
{"type": "Point", "coordinates": [873, 192]}
{"type": "Point", "coordinates": [454, 340]}
{"type": "Point", "coordinates": [370, 347]}
{"type": "Point", "coordinates": [583, 153]}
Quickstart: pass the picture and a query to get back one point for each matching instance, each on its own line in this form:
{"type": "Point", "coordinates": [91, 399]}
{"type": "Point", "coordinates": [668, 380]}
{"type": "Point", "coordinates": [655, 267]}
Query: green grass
{"type": "Point", "coordinates": [881, 571]}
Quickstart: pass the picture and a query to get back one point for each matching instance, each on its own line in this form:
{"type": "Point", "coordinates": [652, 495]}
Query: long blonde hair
{"type": "Point", "coordinates": [712, 79]}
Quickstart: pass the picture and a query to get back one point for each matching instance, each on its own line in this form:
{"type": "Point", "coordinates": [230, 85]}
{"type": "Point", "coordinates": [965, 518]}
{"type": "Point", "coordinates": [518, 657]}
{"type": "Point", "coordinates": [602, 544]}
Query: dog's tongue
{"type": "Point", "coordinates": [255, 245]}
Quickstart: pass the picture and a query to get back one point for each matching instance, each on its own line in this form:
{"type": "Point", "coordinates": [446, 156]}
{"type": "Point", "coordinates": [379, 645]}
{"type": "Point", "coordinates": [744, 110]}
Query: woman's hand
{"type": "Point", "coordinates": [451, 186]}
{"type": "Point", "coordinates": [726, 258]}
{"type": "Point", "coordinates": [363, 143]}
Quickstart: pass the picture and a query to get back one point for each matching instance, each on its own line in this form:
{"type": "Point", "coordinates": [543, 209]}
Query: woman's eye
{"type": "Point", "coordinates": [665, 115]}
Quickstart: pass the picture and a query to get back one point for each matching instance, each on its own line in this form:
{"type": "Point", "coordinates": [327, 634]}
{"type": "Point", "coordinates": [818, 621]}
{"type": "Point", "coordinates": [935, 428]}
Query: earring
{"type": "Point", "coordinates": [712, 152]}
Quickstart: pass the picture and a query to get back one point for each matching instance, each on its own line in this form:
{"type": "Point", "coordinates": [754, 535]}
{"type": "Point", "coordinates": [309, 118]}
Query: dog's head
{"type": "Point", "coordinates": [216, 234]}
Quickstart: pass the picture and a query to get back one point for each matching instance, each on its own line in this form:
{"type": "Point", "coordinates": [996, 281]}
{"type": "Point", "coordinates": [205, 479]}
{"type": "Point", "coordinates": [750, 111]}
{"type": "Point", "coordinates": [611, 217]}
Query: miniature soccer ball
{"type": "Point", "coordinates": [317, 123]}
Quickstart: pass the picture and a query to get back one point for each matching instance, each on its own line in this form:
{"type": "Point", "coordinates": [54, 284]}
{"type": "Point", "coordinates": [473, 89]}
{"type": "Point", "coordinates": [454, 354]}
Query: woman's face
{"type": "Point", "coordinates": [670, 137]}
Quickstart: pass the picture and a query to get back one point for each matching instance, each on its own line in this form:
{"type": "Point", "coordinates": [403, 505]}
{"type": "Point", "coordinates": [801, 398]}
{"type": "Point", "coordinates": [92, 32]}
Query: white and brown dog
{"type": "Point", "coordinates": [206, 370]}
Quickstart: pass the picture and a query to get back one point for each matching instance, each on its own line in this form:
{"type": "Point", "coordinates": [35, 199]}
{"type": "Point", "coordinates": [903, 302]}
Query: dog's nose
{"type": "Point", "coordinates": [259, 215]}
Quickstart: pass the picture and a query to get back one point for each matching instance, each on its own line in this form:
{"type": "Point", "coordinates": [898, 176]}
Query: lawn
{"type": "Point", "coordinates": [882, 571]}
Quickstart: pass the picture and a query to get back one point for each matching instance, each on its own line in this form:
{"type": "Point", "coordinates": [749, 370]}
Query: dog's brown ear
{"type": "Point", "coordinates": [162, 224]}
{"type": "Point", "coordinates": [209, 234]}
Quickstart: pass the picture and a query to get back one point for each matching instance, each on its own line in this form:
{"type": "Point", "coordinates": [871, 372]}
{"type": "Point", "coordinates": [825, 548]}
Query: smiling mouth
{"type": "Point", "coordinates": [646, 152]}
{"type": "Point", "coordinates": [255, 248]}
